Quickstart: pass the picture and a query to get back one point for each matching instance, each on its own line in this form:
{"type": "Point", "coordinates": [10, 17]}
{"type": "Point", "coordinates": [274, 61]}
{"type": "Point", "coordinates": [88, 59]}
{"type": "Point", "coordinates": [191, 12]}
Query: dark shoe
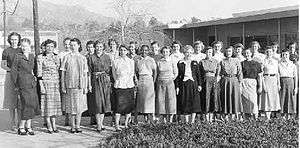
{"type": "Point", "coordinates": [78, 130]}
{"type": "Point", "coordinates": [102, 129]}
{"type": "Point", "coordinates": [45, 125]}
{"type": "Point", "coordinates": [99, 130]}
{"type": "Point", "coordinates": [56, 131]}
{"type": "Point", "coordinates": [73, 130]}
{"type": "Point", "coordinates": [50, 132]}
{"type": "Point", "coordinates": [30, 131]}
{"type": "Point", "coordinates": [66, 124]}
{"type": "Point", "coordinates": [22, 132]}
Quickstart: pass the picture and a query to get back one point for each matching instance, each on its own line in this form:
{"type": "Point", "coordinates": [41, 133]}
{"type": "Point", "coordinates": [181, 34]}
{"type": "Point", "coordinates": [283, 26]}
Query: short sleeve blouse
{"type": "Point", "coordinates": [251, 69]}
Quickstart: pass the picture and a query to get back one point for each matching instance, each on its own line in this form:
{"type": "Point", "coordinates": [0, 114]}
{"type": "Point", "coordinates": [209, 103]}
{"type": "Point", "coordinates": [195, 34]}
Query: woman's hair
{"type": "Point", "coordinates": [26, 40]}
{"type": "Point", "coordinates": [229, 47]}
{"type": "Point", "coordinates": [14, 34]}
{"type": "Point", "coordinates": [217, 42]}
{"type": "Point", "coordinates": [98, 42]}
{"type": "Point", "coordinates": [208, 48]}
{"type": "Point", "coordinates": [66, 39]}
{"type": "Point", "coordinates": [238, 45]}
{"type": "Point", "coordinates": [268, 47]}
{"type": "Point", "coordinates": [275, 44]}
{"type": "Point", "coordinates": [123, 46]}
{"type": "Point", "coordinates": [285, 50]}
{"type": "Point", "coordinates": [187, 47]}
{"type": "Point", "coordinates": [49, 41]}
{"type": "Point", "coordinates": [176, 42]}
{"type": "Point", "coordinates": [43, 44]}
{"type": "Point", "coordinates": [291, 43]}
{"type": "Point", "coordinates": [255, 42]}
{"type": "Point", "coordinates": [154, 42]}
{"type": "Point", "coordinates": [78, 42]}
{"type": "Point", "coordinates": [113, 40]}
{"type": "Point", "coordinates": [199, 43]}
{"type": "Point", "coordinates": [90, 42]}
{"type": "Point", "coordinates": [164, 48]}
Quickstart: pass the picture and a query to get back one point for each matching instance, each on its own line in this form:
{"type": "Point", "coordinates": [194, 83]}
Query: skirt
{"type": "Point", "coordinates": [145, 95]}
{"type": "Point", "coordinates": [210, 92]}
{"type": "Point", "coordinates": [10, 94]}
{"type": "Point", "coordinates": [230, 95]}
{"type": "Point", "coordinates": [51, 101]}
{"type": "Point", "coordinates": [188, 98]}
{"type": "Point", "coordinates": [29, 102]}
{"type": "Point", "coordinates": [124, 102]}
{"type": "Point", "coordinates": [100, 94]}
{"type": "Point", "coordinates": [249, 96]}
{"type": "Point", "coordinates": [76, 102]}
{"type": "Point", "coordinates": [287, 98]}
{"type": "Point", "coordinates": [165, 99]}
{"type": "Point", "coordinates": [270, 100]}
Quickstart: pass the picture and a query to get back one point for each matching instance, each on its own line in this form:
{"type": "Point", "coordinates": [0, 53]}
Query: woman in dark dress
{"type": "Point", "coordinates": [188, 85]}
{"type": "Point", "coordinates": [25, 82]}
{"type": "Point", "coordinates": [99, 67]}
{"type": "Point", "coordinates": [209, 68]}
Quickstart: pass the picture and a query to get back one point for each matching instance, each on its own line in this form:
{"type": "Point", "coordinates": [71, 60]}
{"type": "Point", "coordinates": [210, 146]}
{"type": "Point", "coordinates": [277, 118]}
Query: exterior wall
{"type": "Point", "coordinates": [200, 33]}
{"type": "Point", "coordinates": [185, 36]}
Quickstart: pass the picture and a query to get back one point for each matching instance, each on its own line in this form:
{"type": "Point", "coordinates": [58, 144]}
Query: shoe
{"type": "Point", "coordinates": [21, 132]}
{"type": "Point", "coordinates": [78, 130]}
{"type": "Point", "coordinates": [50, 132]}
{"type": "Point", "coordinates": [29, 131]}
{"type": "Point", "coordinates": [73, 130]}
{"type": "Point", "coordinates": [118, 130]}
{"type": "Point", "coordinates": [56, 131]}
{"type": "Point", "coordinates": [99, 130]}
{"type": "Point", "coordinates": [45, 125]}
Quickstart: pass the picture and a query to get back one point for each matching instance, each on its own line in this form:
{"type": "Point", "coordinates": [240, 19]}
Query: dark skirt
{"type": "Point", "coordinates": [124, 100]}
{"type": "Point", "coordinates": [100, 94]}
{"type": "Point", "coordinates": [287, 99]}
{"type": "Point", "coordinates": [30, 103]}
{"type": "Point", "coordinates": [210, 92]}
{"type": "Point", "coordinates": [90, 103]}
{"type": "Point", "coordinates": [188, 98]}
{"type": "Point", "coordinates": [230, 95]}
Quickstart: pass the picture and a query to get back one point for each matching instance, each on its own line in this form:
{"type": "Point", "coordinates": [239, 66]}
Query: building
{"type": "Point", "coordinates": [279, 25]}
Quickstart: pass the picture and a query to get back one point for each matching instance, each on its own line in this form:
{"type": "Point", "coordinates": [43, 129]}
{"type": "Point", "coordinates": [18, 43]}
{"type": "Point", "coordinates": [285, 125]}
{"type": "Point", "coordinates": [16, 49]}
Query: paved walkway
{"type": "Point", "coordinates": [63, 139]}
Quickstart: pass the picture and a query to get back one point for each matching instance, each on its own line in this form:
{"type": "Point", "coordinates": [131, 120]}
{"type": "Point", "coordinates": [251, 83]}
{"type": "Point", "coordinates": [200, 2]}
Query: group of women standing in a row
{"type": "Point", "coordinates": [163, 82]}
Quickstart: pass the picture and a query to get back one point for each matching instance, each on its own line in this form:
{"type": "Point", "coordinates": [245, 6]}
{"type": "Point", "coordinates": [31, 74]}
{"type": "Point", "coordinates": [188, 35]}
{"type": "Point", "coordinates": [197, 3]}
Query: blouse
{"type": "Point", "coordinates": [113, 55]}
{"type": "Point", "coordinates": [251, 69]}
{"type": "Point", "coordinates": [219, 56]}
{"type": "Point", "coordinates": [241, 58]}
{"type": "Point", "coordinates": [259, 57]}
{"type": "Point", "coordinates": [199, 57]}
{"type": "Point", "coordinates": [156, 57]}
{"type": "Point", "coordinates": [287, 69]}
{"type": "Point", "coordinates": [209, 65]}
{"type": "Point", "coordinates": [123, 72]}
{"type": "Point", "coordinates": [9, 53]}
{"type": "Point", "coordinates": [47, 67]}
{"type": "Point", "coordinates": [270, 66]}
{"type": "Point", "coordinates": [99, 63]}
{"type": "Point", "coordinates": [166, 69]}
{"type": "Point", "coordinates": [188, 70]}
{"type": "Point", "coordinates": [177, 57]}
{"type": "Point", "coordinates": [276, 56]}
{"type": "Point", "coordinates": [231, 66]}
{"type": "Point", "coordinates": [62, 54]}
{"type": "Point", "coordinates": [145, 66]}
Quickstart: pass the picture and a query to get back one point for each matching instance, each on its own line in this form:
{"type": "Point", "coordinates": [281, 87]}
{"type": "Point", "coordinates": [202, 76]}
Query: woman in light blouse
{"type": "Point", "coordinates": [288, 81]}
{"type": "Point", "coordinates": [165, 103]}
{"type": "Point", "coordinates": [123, 73]}
{"type": "Point", "coordinates": [271, 85]}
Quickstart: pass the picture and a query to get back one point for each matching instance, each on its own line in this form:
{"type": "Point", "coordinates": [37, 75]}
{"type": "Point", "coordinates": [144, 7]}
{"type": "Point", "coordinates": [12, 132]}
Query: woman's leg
{"type": "Point", "coordinates": [49, 125]}
{"type": "Point", "coordinates": [186, 118]}
{"type": "Point", "coordinates": [22, 126]}
{"type": "Point", "coordinates": [127, 117]}
{"type": "Point", "coordinates": [193, 117]}
{"type": "Point", "coordinates": [53, 122]}
{"type": "Point", "coordinates": [72, 121]}
{"type": "Point", "coordinates": [12, 113]}
{"type": "Point", "coordinates": [171, 118]}
{"type": "Point", "coordinates": [268, 115]}
{"type": "Point", "coordinates": [78, 120]}
{"type": "Point", "coordinates": [117, 121]}
{"type": "Point", "coordinates": [101, 118]}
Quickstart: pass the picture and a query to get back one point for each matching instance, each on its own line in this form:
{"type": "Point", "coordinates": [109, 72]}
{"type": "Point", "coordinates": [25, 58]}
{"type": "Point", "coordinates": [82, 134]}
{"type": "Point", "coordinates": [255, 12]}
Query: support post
{"type": "Point", "coordinates": [36, 27]}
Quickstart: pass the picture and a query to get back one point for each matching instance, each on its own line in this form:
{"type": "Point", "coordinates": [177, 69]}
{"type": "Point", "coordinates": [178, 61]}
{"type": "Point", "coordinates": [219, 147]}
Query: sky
{"type": "Point", "coordinates": [168, 10]}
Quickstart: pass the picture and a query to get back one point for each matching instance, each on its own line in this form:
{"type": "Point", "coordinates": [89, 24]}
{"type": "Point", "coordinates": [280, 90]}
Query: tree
{"type": "Point", "coordinates": [195, 20]}
{"type": "Point", "coordinates": [154, 22]}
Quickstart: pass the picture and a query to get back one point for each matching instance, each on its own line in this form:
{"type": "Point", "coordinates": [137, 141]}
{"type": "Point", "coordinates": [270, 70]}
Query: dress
{"type": "Point", "coordinates": [270, 100]}
{"type": "Point", "coordinates": [99, 67]}
{"type": "Point", "coordinates": [165, 99]}
{"type": "Point", "coordinates": [75, 69]}
{"type": "Point", "coordinates": [47, 71]}
{"type": "Point", "coordinates": [23, 78]}
{"type": "Point", "coordinates": [144, 68]}
{"type": "Point", "coordinates": [287, 72]}
{"type": "Point", "coordinates": [123, 73]}
{"type": "Point", "coordinates": [209, 69]}
{"type": "Point", "coordinates": [187, 81]}
{"type": "Point", "coordinates": [251, 69]}
{"type": "Point", "coordinates": [231, 73]}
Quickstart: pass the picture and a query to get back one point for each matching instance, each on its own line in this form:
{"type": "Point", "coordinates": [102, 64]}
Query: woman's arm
{"type": "Point", "coordinates": [4, 65]}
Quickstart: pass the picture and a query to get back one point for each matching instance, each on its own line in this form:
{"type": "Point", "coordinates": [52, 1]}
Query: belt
{"type": "Point", "coordinates": [271, 75]}
{"type": "Point", "coordinates": [97, 74]}
{"type": "Point", "coordinates": [210, 74]}
{"type": "Point", "coordinates": [229, 76]}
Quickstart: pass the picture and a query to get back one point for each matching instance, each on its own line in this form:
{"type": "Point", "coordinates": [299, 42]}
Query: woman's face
{"type": "Point", "coordinates": [99, 48]}
{"type": "Point", "coordinates": [198, 48]}
{"type": "Point", "coordinates": [285, 55]}
{"type": "Point", "coordinates": [218, 47]}
{"type": "Point", "coordinates": [50, 48]}
{"type": "Point", "coordinates": [239, 50]}
{"type": "Point", "coordinates": [155, 48]}
{"type": "Point", "coordinates": [255, 47]}
{"type": "Point", "coordinates": [292, 48]}
{"type": "Point", "coordinates": [209, 53]}
{"type": "Point", "coordinates": [132, 48]}
{"type": "Point", "coordinates": [74, 46]}
{"type": "Point", "coordinates": [166, 53]}
{"type": "Point", "coordinates": [25, 47]}
{"type": "Point", "coordinates": [144, 51]}
{"type": "Point", "coordinates": [176, 47]}
{"type": "Point", "coordinates": [123, 51]}
{"type": "Point", "coordinates": [67, 45]}
{"type": "Point", "coordinates": [188, 53]}
{"type": "Point", "coordinates": [228, 52]}
{"type": "Point", "coordinates": [113, 45]}
{"type": "Point", "coordinates": [14, 41]}
{"type": "Point", "coordinates": [247, 54]}
{"type": "Point", "coordinates": [274, 48]}
{"type": "Point", "coordinates": [269, 52]}
{"type": "Point", "coordinates": [90, 48]}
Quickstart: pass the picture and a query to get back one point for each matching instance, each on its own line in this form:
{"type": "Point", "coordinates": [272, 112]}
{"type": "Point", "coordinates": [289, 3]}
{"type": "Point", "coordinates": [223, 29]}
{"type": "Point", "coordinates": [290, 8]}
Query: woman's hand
{"type": "Point", "coordinates": [64, 90]}
{"type": "Point", "coordinates": [177, 91]}
{"type": "Point", "coordinates": [43, 90]}
{"type": "Point", "coordinates": [259, 90]}
{"type": "Point", "coordinates": [199, 88]}
{"type": "Point", "coordinates": [295, 91]}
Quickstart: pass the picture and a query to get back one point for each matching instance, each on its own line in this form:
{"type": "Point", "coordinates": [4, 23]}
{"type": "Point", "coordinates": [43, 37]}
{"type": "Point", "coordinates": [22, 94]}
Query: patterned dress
{"type": "Point", "coordinates": [75, 68]}
{"type": "Point", "coordinates": [47, 70]}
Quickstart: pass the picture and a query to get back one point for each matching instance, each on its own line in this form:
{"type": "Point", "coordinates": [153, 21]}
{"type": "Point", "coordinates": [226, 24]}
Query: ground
{"type": "Point", "coordinates": [63, 139]}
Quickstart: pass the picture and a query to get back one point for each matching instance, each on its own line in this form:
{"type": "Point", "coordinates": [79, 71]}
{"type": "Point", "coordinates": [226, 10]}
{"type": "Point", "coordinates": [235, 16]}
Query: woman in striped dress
{"type": "Point", "coordinates": [47, 72]}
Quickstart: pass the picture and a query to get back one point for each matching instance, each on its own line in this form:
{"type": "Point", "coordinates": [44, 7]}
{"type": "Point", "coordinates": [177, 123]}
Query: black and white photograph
{"type": "Point", "coordinates": [149, 73]}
